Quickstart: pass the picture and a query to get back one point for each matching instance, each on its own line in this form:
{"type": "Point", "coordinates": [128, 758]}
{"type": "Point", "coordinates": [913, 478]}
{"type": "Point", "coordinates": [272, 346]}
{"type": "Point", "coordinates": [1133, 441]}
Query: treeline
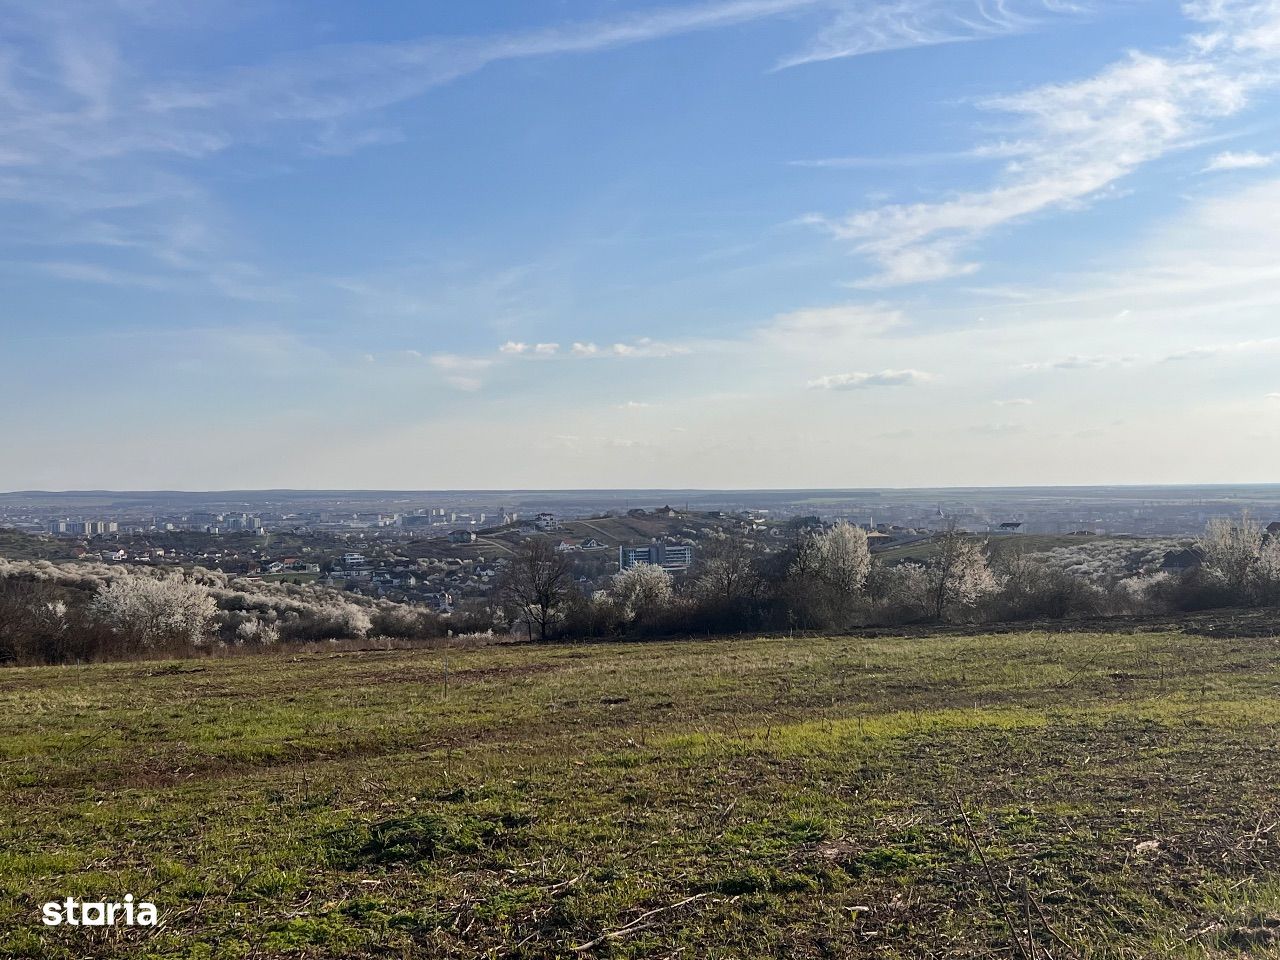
{"type": "Point", "coordinates": [78, 612]}
{"type": "Point", "coordinates": [828, 580]}
{"type": "Point", "coordinates": [824, 581]}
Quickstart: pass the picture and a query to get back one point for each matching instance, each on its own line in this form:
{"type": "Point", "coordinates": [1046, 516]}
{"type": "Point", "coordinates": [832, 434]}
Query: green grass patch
{"type": "Point", "coordinates": [750, 798]}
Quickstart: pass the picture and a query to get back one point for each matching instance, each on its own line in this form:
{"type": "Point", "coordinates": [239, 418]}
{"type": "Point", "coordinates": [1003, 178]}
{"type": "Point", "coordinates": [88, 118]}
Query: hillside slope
{"type": "Point", "coordinates": [1023, 795]}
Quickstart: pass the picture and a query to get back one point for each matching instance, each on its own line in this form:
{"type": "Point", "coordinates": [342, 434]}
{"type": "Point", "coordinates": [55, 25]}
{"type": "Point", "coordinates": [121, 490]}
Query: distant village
{"type": "Point", "coordinates": [444, 559]}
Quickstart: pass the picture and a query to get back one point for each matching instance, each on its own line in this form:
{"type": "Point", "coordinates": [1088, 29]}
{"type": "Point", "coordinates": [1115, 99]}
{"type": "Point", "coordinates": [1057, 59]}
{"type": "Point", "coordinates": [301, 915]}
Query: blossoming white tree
{"type": "Point", "coordinates": [154, 612]}
{"type": "Point", "coordinates": [829, 574]}
{"type": "Point", "coordinates": [642, 592]}
{"type": "Point", "coordinates": [959, 575]}
{"type": "Point", "coordinates": [1233, 551]}
{"type": "Point", "coordinates": [255, 631]}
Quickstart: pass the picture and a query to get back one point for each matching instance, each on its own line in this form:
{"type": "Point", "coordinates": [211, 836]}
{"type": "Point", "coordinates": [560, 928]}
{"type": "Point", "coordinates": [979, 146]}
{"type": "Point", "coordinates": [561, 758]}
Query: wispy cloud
{"type": "Point", "coordinates": [1075, 141]}
{"type": "Point", "coordinates": [825, 325]}
{"type": "Point", "coordinates": [1077, 362]}
{"type": "Point", "coordinates": [453, 361]}
{"type": "Point", "coordinates": [91, 137]}
{"type": "Point", "coordinates": [860, 381]}
{"type": "Point", "coordinates": [1099, 361]}
{"type": "Point", "coordinates": [642, 348]}
{"type": "Point", "coordinates": [459, 371]}
{"type": "Point", "coordinates": [865, 28]}
{"type": "Point", "coordinates": [343, 80]}
{"type": "Point", "coordinates": [986, 152]}
{"type": "Point", "coordinates": [997, 429]}
{"type": "Point", "coordinates": [93, 140]}
{"type": "Point", "coordinates": [1219, 349]}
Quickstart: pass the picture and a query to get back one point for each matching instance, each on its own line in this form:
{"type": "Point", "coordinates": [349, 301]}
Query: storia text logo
{"type": "Point", "coordinates": [96, 913]}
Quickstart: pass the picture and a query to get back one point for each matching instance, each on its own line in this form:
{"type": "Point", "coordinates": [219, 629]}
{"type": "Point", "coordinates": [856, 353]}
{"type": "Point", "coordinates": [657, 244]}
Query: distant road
{"type": "Point", "coordinates": [496, 543]}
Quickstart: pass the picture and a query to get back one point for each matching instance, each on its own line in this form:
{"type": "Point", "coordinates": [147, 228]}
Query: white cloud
{"type": "Point", "coordinates": [517, 348]}
{"type": "Point", "coordinates": [1016, 402]}
{"type": "Point", "coordinates": [859, 381]}
{"type": "Point", "coordinates": [1076, 140]}
{"type": "Point", "coordinates": [643, 348]}
{"type": "Point", "coordinates": [646, 347]}
{"type": "Point", "coordinates": [1241, 26]}
{"type": "Point", "coordinates": [1245, 160]}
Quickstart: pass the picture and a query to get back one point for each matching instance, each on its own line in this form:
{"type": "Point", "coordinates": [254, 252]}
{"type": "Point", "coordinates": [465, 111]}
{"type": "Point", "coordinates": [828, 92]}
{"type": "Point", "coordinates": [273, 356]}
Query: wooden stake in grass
{"type": "Point", "coordinates": [991, 880]}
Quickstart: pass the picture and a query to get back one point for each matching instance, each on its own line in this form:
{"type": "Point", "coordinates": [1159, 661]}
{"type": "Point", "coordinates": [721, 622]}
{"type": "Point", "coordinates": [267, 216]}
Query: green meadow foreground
{"type": "Point", "coordinates": [1026, 795]}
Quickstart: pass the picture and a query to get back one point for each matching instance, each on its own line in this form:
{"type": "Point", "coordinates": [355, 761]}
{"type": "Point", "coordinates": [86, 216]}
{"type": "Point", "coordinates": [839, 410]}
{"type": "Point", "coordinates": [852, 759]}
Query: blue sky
{"type": "Point", "coordinates": [738, 243]}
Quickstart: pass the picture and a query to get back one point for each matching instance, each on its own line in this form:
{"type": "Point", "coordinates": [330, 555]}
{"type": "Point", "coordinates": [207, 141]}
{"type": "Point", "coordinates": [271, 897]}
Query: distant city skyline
{"type": "Point", "coordinates": [616, 244]}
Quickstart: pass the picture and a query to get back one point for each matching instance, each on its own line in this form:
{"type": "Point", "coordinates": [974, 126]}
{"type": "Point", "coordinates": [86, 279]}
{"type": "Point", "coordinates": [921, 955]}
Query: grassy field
{"type": "Point", "coordinates": [16, 545]}
{"type": "Point", "coordinates": [1004, 544]}
{"type": "Point", "coordinates": [922, 551]}
{"type": "Point", "coordinates": [1024, 795]}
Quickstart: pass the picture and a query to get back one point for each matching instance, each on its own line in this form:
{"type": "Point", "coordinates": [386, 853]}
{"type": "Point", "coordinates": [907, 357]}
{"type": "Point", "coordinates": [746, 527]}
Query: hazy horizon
{"type": "Point", "coordinates": [1220, 485]}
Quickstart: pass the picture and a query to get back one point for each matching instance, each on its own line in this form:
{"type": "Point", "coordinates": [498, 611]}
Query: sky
{"type": "Point", "coordinates": [612, 243]}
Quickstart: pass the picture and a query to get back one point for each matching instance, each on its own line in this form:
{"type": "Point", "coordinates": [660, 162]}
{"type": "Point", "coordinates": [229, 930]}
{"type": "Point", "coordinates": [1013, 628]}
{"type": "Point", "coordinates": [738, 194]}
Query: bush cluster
{"type": "Point", "coordinates": [59, 613]}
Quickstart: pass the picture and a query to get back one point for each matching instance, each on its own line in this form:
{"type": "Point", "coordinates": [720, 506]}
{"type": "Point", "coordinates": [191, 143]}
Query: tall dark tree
{"type": "Point", "coordinates": [537, 582]}
{"type": "Point", "coordinates": [729, 585]}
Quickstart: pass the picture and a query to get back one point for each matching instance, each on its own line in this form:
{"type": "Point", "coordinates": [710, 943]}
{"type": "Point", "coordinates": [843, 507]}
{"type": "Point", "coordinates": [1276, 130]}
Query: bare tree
{"type": "Point", "coordinates": [33, 621]}
{"type": "Point", "coordinates": [728, 589]}
{"type": "Point", "coordinates": [902, 593]}
{"type": "Point", "coordinates": [537, 581]}
{"type": "Point", "coordinates": [1267, 570]}
{"type": "Point", "coordinates": [728, 575]}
